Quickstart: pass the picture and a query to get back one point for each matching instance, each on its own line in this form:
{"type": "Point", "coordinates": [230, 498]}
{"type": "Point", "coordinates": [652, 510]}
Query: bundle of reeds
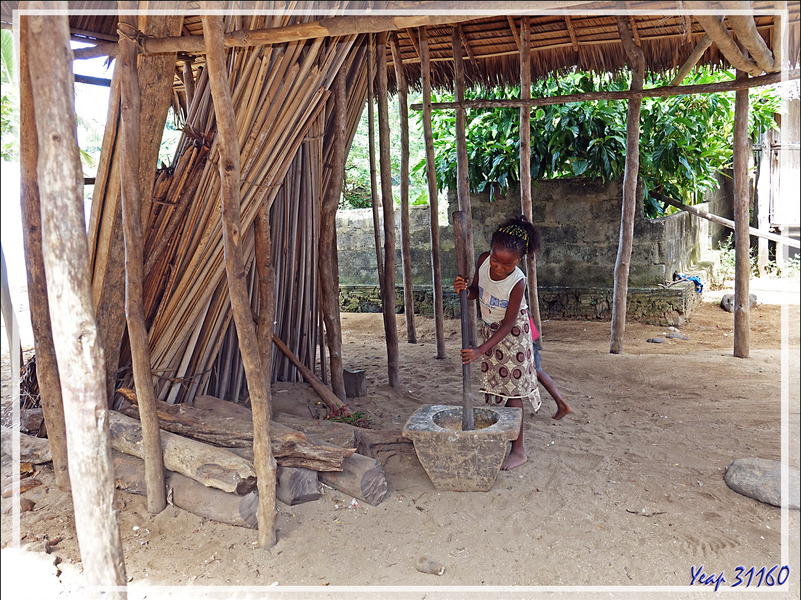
{"type": "Point", "coordinates": [280, 98]}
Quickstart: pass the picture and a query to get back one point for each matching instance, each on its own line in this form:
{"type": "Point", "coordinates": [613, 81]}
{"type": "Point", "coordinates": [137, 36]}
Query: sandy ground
{"type": "Point", "coordinates": [623, 498]}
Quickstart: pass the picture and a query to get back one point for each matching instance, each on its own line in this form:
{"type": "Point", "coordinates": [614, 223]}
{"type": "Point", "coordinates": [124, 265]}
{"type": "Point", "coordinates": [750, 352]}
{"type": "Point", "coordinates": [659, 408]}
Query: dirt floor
{"type": "Point", "coordinates": [625, 497]}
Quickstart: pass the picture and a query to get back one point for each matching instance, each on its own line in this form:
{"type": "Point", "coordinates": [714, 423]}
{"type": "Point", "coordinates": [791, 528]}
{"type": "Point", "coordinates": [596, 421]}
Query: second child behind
{"type": "Point", "coordinates": [508, 370]}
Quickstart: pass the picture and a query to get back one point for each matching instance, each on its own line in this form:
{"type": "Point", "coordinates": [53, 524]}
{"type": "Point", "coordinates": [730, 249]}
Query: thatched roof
{"type": "Point", "coordinates": [564, 35]}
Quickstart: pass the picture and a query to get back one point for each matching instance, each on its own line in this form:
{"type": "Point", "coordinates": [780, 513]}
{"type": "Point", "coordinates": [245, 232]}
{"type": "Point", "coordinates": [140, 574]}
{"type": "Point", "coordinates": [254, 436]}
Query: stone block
{"type": "Point", "coordinates": [355, 384]}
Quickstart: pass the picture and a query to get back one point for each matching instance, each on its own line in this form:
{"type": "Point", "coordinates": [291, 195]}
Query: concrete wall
{"type": "Point", "coordinates": [580, 224]}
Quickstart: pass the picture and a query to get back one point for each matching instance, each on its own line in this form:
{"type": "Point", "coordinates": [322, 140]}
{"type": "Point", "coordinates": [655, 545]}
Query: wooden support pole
{"type": "Point", "coordinates": [713, 25]}
{"type": "Point", "coordinates": [433, 196]}
{"type": "Point", "coordinates": [132, 230]}
{"type": "Point", "coordinates": [571, 30]}
{"type": "Point", "coordinates": [46, 366]}
{"type": "Point", "coordinates": [265, 326]}
{"type": "Point", "coordinates": [742, 203]}
{"type": "Point", "coordinates": [330, 27]}
{"type": "Point", "coordinates": [703, 44]}
{"type": "Point", "coordinates": [66, 258]}
{"type": "Point", "coordinates": [462, 173]}
{"type": "Point", "coordinates": [233, 237]}
{"type": "Point", "coordinates": [511, 20]}
{"type": "Point", "coordinates": [745, 29]}
{"type": "Point", "coordinates": [375, 200]}
{"type": "Point", "coordinates": [406, 251]}
{"type": "Point", "coordinates": [189, 83]}
{"type": "Point", "coordinates": [525, 168]}
{"type": "Point", "coordinates": [327, 253]}
{"type": "Point", "coordinates": [388, 290]}
{"type": "Point", "coordinates": [636, 60]}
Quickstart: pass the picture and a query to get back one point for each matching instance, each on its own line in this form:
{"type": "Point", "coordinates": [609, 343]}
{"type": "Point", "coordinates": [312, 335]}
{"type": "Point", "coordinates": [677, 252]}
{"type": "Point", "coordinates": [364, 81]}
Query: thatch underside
{"type": "Point", "coordinates": [284, 110]}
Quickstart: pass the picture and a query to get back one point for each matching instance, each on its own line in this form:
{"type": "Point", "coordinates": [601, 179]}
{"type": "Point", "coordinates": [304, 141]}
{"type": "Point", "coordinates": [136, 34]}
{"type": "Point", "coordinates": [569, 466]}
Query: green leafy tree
{"type": "Point", "coordinates": [685, 141]}
{"type": "Point", "coordinates": [9, 147]}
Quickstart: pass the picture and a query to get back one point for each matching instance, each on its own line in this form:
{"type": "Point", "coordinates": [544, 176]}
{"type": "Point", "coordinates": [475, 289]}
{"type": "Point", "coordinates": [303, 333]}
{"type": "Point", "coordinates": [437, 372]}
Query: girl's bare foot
{"type": "Point", "coordinates": [562, 411]}
{"type": "Point", "coordinates": [515, 459]}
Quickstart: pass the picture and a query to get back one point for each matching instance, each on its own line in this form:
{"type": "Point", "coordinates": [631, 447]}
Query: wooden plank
{"type": "Point", "coordinates": [230, 169]}
{"type": "Point", "coordinates": [636, 61]}
{"type": "Point", "coordinates": [75, 336]}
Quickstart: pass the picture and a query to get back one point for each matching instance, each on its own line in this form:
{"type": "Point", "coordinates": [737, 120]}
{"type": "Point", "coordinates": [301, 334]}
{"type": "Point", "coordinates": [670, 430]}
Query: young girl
{"type": "Point", "coordinates": [508, 372]}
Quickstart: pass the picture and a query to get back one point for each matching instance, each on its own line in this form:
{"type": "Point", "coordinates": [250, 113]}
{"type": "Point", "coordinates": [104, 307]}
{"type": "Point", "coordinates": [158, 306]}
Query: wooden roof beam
{"type": "Point", "coordinates": [658, 92]}
{"type": "Point", "coordinates": [571, 29]}
{"type": "Point", "coordinates": [513, 27]}
{"type": "Point", "coordinates": [412, 33]}
{"type": "Point", "coordinates": [713, 25]}
{"type": "Point", "coordinates": [704, 43]}
{"type": "Point", "coordinates": [747, 34]}
{"type": "Point", "coordinates": [466, 45]}
{"type": "Point", "coordinates": [780, 34]}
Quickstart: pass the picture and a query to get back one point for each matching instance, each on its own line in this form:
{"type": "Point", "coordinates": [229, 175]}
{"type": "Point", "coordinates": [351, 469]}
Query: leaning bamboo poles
{"type": "Point", "coordinates": [278, 94]}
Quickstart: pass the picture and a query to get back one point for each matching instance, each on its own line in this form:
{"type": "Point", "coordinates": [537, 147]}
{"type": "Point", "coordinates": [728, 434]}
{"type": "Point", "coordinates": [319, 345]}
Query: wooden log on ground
{"type": "Point", "coordinates": [228, 425]}
{"type": "Point", "coordinates": [32, 449]}
{"type": "Point", "coordinates": [366, 441]}
{"type": "Point", "coordinates": [296, 485]}
{"type": "Point", "coordinates": [328, 432]}
{"type": "Point", "coordinates": [211, 466]}
{"type": "Point", "coordinates": [188, 494]}
{"type": "Point", "coordinates": [362, 477]}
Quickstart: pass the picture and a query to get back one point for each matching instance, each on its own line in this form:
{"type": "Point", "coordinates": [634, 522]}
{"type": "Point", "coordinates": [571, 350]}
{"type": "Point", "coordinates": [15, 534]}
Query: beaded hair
{"type": "Point", "coordinates": [518, 234]}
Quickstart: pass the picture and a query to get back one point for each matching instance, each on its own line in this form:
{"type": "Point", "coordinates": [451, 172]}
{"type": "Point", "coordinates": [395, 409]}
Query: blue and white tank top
{"type": "Point", "coordinates": [494, 295]}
